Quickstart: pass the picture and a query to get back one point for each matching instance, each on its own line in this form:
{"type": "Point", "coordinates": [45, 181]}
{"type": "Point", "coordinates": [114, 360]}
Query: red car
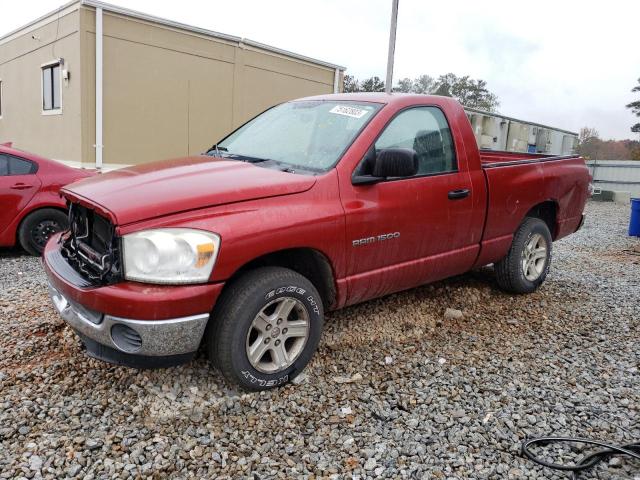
{"type": "Point", "coordinates": [31, 208]}
{"type": "Point", "coordinates": [314, 205]}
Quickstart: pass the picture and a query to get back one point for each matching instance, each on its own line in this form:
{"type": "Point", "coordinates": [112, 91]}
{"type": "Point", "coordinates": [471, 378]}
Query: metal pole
{"type": "Point", "coordinates": [392, 45]}
{"type": "Point", "coordinates": [98, 144]}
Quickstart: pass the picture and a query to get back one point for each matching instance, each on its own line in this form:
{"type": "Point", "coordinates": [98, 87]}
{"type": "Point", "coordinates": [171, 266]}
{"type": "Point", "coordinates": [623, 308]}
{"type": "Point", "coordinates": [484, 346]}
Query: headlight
{"type": "Point", "coordinates": [170, 255]}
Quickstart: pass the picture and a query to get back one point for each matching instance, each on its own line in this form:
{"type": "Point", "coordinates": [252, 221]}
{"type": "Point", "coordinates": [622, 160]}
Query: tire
{"type": "Point", "coordinates": [252, 315]}
{"type": "Point", "coordinates": [37, 227]}
{"type": "Point", "coordinates": [519, 271]}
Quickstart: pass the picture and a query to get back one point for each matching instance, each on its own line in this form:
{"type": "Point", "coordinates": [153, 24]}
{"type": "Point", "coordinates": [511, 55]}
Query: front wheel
{"type": "Point", "coordinates": [526, 265]}
{"type": "Point", "coordinates": [266, 327]}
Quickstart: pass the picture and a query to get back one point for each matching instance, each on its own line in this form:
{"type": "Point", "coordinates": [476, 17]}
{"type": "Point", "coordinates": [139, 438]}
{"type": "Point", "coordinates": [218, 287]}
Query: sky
{"type": "Point", "coordinates": [564, 63]}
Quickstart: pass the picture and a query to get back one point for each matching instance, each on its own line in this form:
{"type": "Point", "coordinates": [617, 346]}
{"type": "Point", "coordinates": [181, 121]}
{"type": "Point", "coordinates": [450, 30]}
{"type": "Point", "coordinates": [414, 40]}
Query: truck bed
{"type": "Point", "coordinates": [517, 181]}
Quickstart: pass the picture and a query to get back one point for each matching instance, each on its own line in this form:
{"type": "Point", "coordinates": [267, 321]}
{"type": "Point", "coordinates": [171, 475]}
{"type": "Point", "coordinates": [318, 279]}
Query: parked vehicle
{"type": "Point", "coordinates": [31, 208]}
{"type": "Point", "coordinates": [313, 205]}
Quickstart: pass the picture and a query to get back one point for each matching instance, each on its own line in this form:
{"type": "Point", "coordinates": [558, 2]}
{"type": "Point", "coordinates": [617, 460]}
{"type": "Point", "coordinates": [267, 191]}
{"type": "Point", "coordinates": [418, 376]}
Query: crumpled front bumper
{"type": "Point", "coordinates": [135, 343]}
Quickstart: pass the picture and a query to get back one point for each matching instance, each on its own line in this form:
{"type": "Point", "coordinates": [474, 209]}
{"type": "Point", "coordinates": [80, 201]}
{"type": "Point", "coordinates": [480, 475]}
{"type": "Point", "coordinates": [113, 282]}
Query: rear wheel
{"type": "Point", "coordinates": [38, 227]}
{"type": "Point", "coordinates": [526, 265]}
{"type": "Point", "coordinates": [265, 328]}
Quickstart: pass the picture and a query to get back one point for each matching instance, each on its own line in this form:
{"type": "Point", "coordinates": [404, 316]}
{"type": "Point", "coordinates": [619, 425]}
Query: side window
{"type": "Point", "coordinates": [425, 130]}
{"type": "Point", "coordinates": [4, 166]}
{"type": "Point", "coordinates": [17, 166]}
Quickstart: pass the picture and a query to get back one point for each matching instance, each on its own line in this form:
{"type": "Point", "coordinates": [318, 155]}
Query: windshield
{"type": "Point", "coordinates": [309, 135]}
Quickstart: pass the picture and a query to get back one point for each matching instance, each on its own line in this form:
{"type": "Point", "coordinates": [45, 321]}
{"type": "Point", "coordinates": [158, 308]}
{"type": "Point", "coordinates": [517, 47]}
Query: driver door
{"type": "Point", "coordinates": [404, 232]}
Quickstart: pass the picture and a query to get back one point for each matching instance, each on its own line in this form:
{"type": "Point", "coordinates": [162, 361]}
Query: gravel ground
{"type": "Point", "coordinates": [397, 389]}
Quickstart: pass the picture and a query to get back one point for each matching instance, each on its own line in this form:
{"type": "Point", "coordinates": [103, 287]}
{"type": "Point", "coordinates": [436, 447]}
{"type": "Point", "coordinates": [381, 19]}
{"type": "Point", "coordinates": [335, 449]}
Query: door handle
{"type": "Point", "coordinates": [20, 186]}
{"type": "Point", "coordinates": [459, 194]}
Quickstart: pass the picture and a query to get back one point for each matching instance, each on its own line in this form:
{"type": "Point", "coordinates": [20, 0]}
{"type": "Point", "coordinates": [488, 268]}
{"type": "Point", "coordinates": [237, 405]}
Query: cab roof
{"type": "Point", "coordinates": [382, 97]}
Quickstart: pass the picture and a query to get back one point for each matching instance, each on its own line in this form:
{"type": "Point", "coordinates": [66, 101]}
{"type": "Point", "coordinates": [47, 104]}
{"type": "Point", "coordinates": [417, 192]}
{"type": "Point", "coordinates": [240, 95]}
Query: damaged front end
{"type": "Point", "coordinates": [91, 246]}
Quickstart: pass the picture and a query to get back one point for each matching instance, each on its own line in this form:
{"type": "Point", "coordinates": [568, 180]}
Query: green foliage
{"type": "Point", "coordinates": [405, 85]}
{"type": "Point", "coordinates": [424, 84]}
{"type": "Point", "coordinates": [469, 92]}
{"type": "Point", "coordinates": [635, 108]}
{"type": "Point", "coordinates": [634, 147]}
{"type": "Point", "coordinates": [350, 84]}
{"type": "Point", "coordinates": [373, 84]}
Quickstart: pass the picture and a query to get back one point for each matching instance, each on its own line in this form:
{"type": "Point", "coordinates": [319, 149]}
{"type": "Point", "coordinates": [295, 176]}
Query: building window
{"type": "Point", "coordinates": [51, 91]}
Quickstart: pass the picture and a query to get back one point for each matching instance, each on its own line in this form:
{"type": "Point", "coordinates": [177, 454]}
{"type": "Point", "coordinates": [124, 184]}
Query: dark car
{"type": "Point", "coordinates": [31, 208]}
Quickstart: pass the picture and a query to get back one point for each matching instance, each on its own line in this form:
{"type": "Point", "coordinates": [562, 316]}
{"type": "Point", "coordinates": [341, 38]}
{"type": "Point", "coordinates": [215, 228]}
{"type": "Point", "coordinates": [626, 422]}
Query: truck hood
{"type": "Point", "coordinates": [156, 189]}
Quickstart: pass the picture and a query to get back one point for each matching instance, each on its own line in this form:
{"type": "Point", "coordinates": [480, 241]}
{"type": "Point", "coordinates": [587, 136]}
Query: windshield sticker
{"type": "Point", "coordinates": [349, 111]}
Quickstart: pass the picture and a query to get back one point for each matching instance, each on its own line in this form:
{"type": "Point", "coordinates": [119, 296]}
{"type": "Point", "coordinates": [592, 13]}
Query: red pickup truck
{"type": "Point", "coordinates": [313, 205]}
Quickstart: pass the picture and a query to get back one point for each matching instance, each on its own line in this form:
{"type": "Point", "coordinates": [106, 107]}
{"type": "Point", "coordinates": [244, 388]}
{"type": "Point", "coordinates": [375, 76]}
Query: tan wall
{"type": "Point", "coordinates": [55, 136]}
{"type": "Point", "coordinates": [267, 80]}
{"type": "Point", "coordinates": [170, 93]}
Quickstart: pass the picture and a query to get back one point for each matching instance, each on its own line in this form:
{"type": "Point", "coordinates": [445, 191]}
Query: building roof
{"type": "Point", "coordinates": [107, 7]}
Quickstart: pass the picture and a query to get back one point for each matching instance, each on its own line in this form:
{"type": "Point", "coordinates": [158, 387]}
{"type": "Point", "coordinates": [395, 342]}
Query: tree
{"type": "Point", "coordinates": [350, 84]}
{"type": "Point", "coordinates": [588, 133]}
{"type": "Point", "coordinates": [405, 85]}
{"type": "Point", "coordinates": [635, 108]}
{"type": "Point", "coordinates": [373, 84]}
{"type": "Point", "coordinates": [423, 84]}
{"type": "Point", "coordinates": [589, 143]}
{"type": "Point", "coordinates": [444, 84]}
{"type": "Point", "coordinates": [592, 147]}
{"type": "Point", "coordinates": [469, 92]}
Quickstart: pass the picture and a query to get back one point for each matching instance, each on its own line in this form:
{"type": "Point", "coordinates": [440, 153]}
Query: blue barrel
{"type": "Point", "coordinates": [634, 222]}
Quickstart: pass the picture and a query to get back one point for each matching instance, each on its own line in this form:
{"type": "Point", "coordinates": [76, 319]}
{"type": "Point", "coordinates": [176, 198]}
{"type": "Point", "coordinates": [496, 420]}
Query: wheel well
{"type": "Point", "coordinates": [547, 212]}
{"type": "Point", "coordinates": [308, 262]}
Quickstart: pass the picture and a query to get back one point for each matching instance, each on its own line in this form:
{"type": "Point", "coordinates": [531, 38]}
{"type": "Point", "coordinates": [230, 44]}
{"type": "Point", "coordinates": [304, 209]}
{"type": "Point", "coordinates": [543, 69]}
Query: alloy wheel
{"type": "Point", "coordinates": [278, 334]}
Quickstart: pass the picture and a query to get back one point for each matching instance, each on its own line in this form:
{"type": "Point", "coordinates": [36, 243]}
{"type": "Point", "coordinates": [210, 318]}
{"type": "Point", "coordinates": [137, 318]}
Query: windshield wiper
{"type": "Point", "coordinates": [244, 158]}
{"type": "Point", "coordinates": [216, 149]}
{"type": "Point", "coordinates": [223, 152]}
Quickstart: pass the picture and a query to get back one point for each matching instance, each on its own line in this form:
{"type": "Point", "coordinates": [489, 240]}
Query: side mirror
{"type": "Point", "coordinates": [396, 162]}
{"type": "Point", "coordinates": [390, 162]}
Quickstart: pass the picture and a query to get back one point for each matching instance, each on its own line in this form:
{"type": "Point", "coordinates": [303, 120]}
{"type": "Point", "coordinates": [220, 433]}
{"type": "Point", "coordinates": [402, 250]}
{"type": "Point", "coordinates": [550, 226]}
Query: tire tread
{"type": "Point", "coordinates": [507, 270]}
{"type": "Point", "coordinates": [27, 224]}
{"type": "Point", "coordinates": [230, 306]}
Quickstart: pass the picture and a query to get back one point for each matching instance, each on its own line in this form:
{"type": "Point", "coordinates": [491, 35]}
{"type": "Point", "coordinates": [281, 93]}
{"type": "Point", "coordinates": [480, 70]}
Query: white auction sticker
{"type": "Point", "coordinates": [349, 111]}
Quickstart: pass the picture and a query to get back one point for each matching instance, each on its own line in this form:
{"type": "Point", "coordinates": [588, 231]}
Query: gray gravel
{"type": "Point", "coordinates": [396, 390]}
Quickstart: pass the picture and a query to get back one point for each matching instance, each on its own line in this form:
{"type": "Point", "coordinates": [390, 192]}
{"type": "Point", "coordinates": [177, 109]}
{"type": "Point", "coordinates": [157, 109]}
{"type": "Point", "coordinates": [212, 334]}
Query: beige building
{"type": "Point", "coordinates": [101, 85]}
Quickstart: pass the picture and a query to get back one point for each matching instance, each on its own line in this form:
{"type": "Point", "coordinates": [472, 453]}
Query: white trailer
{"type": "Point", "coordinates": [494, 131]}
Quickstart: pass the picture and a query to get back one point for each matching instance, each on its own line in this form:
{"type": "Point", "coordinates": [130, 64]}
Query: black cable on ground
{"type": "Point", "coordinates": [632, 450]}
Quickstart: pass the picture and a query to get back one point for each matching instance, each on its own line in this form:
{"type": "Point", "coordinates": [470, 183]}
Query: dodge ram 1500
{"type": "Point", "coordinates": [313, 205]}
